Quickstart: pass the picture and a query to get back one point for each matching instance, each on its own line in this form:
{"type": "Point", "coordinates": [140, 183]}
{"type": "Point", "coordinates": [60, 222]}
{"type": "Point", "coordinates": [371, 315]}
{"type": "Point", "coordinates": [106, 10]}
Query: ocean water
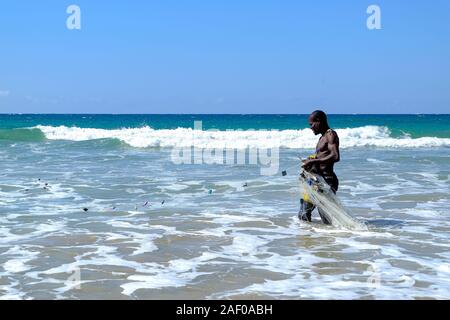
{"type": "Point", "coordinates": [157, 227]}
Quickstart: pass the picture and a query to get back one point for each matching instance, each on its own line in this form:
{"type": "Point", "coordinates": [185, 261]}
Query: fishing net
{"type": "Point", "coordinates": [316, 191]}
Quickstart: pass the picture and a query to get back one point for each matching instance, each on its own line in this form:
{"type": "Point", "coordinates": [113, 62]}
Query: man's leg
{"type": "Point", "coordinates": [333, 182]}
{"type": "Point", "coordinates": [323, 217]}
{"type": "Point", "coordinates": [306, 209]}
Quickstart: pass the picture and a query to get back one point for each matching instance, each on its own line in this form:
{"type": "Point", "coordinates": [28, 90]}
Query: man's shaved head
{"type": "Point", "coordinates": [320, 116]}
{"type": "Point", "coordinates": [318, 122]}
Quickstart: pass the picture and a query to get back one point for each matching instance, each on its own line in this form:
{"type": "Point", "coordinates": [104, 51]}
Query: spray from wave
{"type": "Point", "coordinates": [145, 137]}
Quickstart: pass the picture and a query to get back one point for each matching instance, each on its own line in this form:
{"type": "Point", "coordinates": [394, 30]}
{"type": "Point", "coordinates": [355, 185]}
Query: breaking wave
{"type": "Point", "coordinates": [146, 137]}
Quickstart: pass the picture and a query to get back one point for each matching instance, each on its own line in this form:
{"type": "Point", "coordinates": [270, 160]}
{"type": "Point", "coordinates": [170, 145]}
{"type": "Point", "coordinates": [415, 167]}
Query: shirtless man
{"type": "Point", "coordinates": [327, 154]}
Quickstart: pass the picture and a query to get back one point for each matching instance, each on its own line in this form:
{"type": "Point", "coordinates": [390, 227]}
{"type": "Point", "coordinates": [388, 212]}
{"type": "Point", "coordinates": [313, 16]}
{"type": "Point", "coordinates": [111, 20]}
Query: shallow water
{"type": "Point", "coordinates": [213, 237]}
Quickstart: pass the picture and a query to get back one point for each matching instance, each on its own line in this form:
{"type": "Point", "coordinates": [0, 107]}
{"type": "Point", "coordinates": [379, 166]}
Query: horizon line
{"type": "Point", "coordinates": [222, 114]}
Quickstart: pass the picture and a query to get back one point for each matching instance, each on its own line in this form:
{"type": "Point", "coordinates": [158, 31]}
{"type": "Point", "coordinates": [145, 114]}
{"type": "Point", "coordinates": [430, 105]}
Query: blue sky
{"type": "Point", "coordinates": [224, 56]}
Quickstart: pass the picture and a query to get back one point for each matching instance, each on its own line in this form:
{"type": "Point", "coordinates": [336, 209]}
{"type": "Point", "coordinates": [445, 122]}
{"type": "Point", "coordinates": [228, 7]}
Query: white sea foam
{"type": "Point", "coordinates": [370, 136]}
{"type": "Point", "coordinates": [238, 242]}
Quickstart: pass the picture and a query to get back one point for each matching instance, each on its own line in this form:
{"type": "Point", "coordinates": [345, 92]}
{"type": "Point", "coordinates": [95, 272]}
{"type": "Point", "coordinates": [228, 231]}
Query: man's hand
{"type": "Point", "coordinates": [307, 164]}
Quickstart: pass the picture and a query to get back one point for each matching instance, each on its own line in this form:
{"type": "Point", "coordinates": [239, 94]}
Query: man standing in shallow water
{"type": "Point", "coordinates": [322, 162]}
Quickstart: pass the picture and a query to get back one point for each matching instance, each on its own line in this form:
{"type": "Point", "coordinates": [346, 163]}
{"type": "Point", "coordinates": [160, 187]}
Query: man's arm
{"type": "Point", "coordinates": [333, 148]}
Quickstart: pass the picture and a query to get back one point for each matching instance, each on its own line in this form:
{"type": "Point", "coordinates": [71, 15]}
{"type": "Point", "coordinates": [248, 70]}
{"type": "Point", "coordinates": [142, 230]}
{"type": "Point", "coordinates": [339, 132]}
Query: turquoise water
{"type": "Point", "coordinates": [413, 125]}
{"type": "Point", "coordinates": [156, 228]}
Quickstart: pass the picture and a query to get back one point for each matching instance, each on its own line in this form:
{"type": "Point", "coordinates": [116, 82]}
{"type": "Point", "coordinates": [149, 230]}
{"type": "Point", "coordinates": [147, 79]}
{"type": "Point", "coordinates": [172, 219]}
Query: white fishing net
{"type": "Point", "coordinates": [315, 190]}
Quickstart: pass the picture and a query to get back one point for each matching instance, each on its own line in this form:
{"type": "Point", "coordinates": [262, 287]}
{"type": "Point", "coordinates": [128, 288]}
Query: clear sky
{"type": "Point", "coordinates": [224, 56]}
